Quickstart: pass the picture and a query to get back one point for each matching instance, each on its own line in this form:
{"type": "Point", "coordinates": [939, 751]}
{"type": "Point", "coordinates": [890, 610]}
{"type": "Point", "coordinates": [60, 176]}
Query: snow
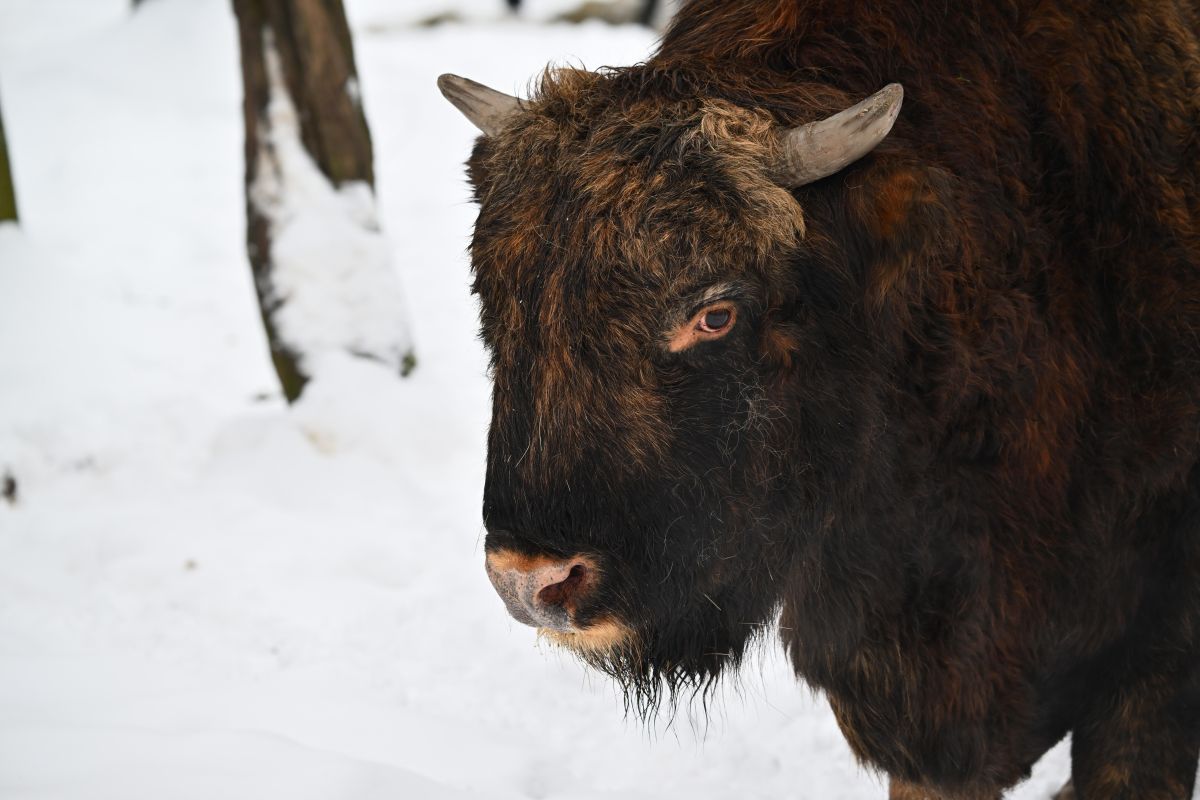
{"type": "Point", "coordinates": [207, 594]}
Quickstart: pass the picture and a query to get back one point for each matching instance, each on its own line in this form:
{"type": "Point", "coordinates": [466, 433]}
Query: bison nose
{"type": "Point", "coordinates": [538, 590]}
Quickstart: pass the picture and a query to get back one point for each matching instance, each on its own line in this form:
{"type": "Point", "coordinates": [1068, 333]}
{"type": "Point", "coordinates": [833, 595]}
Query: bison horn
{"type": "Point", "coordinates": [819, 149]}
{"type": "Point", "coordinates": [487, 109]}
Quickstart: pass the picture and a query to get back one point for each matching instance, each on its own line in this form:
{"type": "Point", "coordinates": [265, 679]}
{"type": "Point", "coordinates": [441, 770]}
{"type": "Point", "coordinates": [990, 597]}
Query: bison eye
{"type": "Point", "coordinates": [715, 320]}
{"type": "Point", "coordinates": [710, 322]}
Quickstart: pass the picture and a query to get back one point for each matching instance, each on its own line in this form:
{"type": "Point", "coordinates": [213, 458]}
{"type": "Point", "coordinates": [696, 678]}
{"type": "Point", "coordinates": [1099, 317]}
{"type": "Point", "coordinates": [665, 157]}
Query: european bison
{"type": "Point", "coordinates": [930, 397]}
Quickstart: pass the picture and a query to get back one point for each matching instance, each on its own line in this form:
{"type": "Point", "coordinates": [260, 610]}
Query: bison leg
{"type": "Point", "coordinates": [1143, 744]}
{"type": "Point", "coordinates": [902, 790]}
{"type": "Point", "coordinates": [1067, 792]}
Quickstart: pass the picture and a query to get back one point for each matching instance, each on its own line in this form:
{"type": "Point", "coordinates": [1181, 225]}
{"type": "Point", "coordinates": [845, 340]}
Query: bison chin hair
{"type": "Point", "coordinates": [682, 662]}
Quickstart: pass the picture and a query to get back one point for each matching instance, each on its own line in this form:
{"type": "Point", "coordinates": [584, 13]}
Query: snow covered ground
{"type": "Point", "coordinates": [205, 594]}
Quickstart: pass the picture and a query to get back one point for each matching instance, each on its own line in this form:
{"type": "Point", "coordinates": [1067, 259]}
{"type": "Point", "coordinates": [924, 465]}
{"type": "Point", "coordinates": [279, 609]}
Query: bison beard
{"type": "Point", "coordinates": [946, 419]}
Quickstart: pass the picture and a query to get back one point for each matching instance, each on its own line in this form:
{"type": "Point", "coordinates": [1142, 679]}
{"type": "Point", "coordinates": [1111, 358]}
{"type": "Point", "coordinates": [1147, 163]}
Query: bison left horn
{"type": "Point", "coordinates": [819, 149]}
{"type": "Point", "coordinates": [487, 109]}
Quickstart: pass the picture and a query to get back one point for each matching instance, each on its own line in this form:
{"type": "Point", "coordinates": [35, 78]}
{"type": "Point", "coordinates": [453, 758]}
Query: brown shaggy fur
{"type": "Point", "coordinates": [955, 435]}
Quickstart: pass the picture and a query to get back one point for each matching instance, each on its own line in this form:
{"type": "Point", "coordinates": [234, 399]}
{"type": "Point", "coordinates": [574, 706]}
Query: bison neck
{"type": "Point", "coordinates": [1031, 333]}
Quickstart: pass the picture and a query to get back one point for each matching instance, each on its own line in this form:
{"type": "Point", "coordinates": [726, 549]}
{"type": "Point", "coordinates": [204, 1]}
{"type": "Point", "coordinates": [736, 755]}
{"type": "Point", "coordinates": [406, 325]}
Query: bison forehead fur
{"type": "Point", "coordinates": [596, 216]}
{"type": "Point", "coordinates": [951, 436]}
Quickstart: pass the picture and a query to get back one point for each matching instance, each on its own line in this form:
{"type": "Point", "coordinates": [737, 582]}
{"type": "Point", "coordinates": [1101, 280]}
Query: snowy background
{"type": "Point", "coordinates": [205, 594]}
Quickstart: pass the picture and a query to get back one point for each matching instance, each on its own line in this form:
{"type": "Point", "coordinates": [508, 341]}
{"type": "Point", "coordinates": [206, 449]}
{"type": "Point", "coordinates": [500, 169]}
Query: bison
{"type": "Point", "coordinates": [881, 322]}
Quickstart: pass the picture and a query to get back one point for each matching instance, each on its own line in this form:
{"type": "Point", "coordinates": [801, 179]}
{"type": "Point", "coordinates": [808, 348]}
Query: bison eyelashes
{"type": "Point", "coordinates": [711, 322]}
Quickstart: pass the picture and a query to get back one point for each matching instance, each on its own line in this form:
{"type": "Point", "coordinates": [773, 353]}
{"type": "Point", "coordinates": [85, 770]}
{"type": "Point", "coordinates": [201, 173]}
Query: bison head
{"type": "Point", "coordinates": [668, 406]}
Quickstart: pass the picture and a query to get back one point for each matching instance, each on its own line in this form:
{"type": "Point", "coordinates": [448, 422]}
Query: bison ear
{"type": "Point", "coordinates": [487, 109]}
{"type": "Point", "coordinates": [814, 151]}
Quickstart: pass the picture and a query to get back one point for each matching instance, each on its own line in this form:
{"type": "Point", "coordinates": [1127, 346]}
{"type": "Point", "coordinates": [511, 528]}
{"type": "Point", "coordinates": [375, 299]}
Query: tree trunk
{"type": "Point", "coordinates": [8, 195]}
{"type": "Point", "coordinates": [309, 166]}
{"type": "Point", "coordinates": [646, 15]}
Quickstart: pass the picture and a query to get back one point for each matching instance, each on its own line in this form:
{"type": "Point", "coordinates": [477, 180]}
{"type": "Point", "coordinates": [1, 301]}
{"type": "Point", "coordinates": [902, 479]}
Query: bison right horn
{"type": "Point", "coordinates": [487, 109]}
{"type": "Point", "coordinates": [819, 149]}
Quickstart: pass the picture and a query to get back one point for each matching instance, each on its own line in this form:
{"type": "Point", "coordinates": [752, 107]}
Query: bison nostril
{"type": "Point", "coordinates": [561, 593]}
{"type": "Point", "coordinates": [540, 590]}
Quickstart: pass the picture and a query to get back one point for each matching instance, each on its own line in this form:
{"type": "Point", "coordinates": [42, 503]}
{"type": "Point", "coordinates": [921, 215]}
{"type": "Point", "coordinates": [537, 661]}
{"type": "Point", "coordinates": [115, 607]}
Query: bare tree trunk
{"type": "Point", "coordinates": [8, 195]}
{"type": "Point", "coordinates": [313, 40]}
{"type": "Point", "coordinates": [300, 83]}
{"type": "Point", "coordinates": [646, 15]}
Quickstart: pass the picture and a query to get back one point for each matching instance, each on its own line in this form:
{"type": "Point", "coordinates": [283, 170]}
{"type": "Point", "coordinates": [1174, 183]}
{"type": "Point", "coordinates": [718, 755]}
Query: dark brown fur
{"type": "Point", "coordinates": [955, 436]}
